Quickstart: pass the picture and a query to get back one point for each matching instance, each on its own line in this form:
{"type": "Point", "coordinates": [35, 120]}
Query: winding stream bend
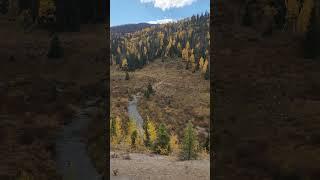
{"type": "Point", "coordinates": [73, 161]}
{"type": "Point", "coordinates": [134, 114]}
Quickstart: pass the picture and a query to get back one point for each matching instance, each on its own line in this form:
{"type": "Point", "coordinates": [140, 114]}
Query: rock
{"type": "Point", "coordinates": [115, 172]}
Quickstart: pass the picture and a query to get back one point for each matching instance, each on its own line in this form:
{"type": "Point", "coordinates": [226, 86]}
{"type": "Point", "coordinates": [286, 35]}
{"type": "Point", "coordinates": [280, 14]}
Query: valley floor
{"type": "Point", "coordinates": [136, 166]}
{"type": "Point", "coordinates": [179, 96]}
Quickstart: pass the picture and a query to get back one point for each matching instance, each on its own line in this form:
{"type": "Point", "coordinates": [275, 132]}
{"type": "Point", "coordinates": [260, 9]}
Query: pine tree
{"type": "Point", "coordinates": [150, 89]}
{"type": "Point", "coordinates": [311, 43]}
{"type": "Point", "coordinates": [162, 143]}
{"type": "Point", "coordinates": [4, 5]}
{"type": "Point", "coordinates": [131, 127]}
{"type": "Point", "coordinates": [134, 136]}
{"type": "Point", "coordinates": [246, 20]}
{"type": "Point", "coordinates": [127, 76]}
{"type": "Point", "coordinates": [189, 144]}
{"type": "Point", "coordinates": [55, 49]}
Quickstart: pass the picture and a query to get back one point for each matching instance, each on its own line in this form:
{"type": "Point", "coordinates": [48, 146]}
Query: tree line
{"type": "Point", "coordinates": [68, 15]}
{"type": "Point", "coordinates": [291, 16]}
{"type": "Point", "coordinates": [188, 39]}
{"type": "Point", "coordinates": [158, 139]}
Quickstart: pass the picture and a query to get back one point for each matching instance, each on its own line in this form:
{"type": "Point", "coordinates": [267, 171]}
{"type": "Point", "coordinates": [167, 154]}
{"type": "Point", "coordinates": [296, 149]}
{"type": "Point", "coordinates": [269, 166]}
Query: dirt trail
{"type": "Point", "coordinates": [72, 159]}
{"type": "Point", "coordinates": [136, 166]}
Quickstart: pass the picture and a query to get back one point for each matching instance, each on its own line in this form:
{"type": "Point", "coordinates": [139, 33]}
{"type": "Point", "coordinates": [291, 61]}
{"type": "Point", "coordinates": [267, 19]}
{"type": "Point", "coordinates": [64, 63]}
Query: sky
{"type": "Point", "coordinates": [154, 11]}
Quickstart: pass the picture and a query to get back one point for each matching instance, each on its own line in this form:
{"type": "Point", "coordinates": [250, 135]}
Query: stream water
{"type": "Point", "coordinates": [134, 114]}
{"type": "Point", "coordinates": [73, 161]}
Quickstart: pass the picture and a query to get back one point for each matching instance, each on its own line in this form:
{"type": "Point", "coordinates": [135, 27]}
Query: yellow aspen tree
{"type": "Point", "coordinates": [174, 144]}
{"type": "Point", "coordinates": [201, 63]}
{"type": "Point", "coordinates": [188, 45]}
{"type": "Point", "coordinates": [118, 50]}
{"type": "Point", "coordinates": [305, 16]}
{"type": "Point", "coordinates": [124, 63]}
{"type": "Point", "coordinates": [192, 61]}
{"type": "Point", "coordinates": [185, 54]}
{"type": "Point", "coordinates": [205, 66]}
{"type": "Point", "coordinates": [150, 132]}
{"type": "Point", "coordinates": [45, 6]}
{"type": "Point", "coordinates": [292, 13]}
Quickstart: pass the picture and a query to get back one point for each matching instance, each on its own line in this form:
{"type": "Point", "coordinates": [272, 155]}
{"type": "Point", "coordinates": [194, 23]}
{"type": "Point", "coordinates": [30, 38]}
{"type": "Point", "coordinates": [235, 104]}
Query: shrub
{"type": "Point", "coordinates": [146, 94]}
{"type": "Point", "coordinates": [127, 76]}
{"type": "Point", "coordinates": [162, 143]}
{"type": "Point", "coordinates": [150, 89]}
{"type": "Point", "coordinates": [55, 49]}
{"type": "Point", "coordinates": [25, 20]}
{"type": "Point", "coordinates": [189, 144]}
{"type": "Point", "coordinates": [133, 138]}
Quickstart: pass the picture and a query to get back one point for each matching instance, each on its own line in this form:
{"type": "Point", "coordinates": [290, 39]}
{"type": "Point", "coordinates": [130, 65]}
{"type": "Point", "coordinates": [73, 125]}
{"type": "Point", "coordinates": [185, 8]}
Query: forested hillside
{"type": "Point", "coordinates": [266, 89]}
{"type": "Point", "coordinates": [129, 28]}
{"type": "Point", "coordinates": [187, 38]}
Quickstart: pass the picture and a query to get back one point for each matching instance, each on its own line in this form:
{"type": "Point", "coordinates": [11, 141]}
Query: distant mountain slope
{"type": "Point", "coordinates": [129, 28]}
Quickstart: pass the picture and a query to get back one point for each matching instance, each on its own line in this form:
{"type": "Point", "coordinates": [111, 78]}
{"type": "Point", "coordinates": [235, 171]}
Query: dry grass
{"type": "Point", "coordinates": [179, 96]}
{"type": "Point", "coordinates": [31, 112]}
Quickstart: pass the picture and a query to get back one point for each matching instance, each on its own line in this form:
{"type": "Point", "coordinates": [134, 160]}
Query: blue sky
{"type": "Point", "coordinates": [154, 11]}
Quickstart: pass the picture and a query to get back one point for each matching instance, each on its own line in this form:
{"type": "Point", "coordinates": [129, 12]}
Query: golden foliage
{"type": "Point", "coordinates": [151, 130]}
{"type": "Point", "coordinates": [201, 63]}
{"type": "Point", "coordinates": [292, 8]}
{"type": "Point", "coordinates": [305, 16]}
{"type": "Point", "coordinates": [205, 66]}
{"type": "Point", "coordinates": [46, 6]}
{"type": "Point", "coordinates": [25, 176]}
{"type": "Point", "coordinates": [131, 127]}
{"type": "Point", "coordinates": [185, 54]}
{"type": "Point", "coordinates": [174, 143]}
{"type": "Point", "coordinates": [124, 63]}
{"type": "Point", "coordinates": [116, 131]}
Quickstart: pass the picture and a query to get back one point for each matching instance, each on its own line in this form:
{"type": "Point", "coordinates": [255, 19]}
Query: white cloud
{"type": "Point", "coordinates": [168, 4]}
{"type": "Point", "coordinates": [161, 21]}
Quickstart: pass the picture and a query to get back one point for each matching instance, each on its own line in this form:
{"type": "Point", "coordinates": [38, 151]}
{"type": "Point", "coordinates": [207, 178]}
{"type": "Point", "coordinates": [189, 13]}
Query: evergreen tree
{"type": "Point", "coordinates": [134, 136]}
{"type": "Point", "coordinates": [116, 130]}
{"type": "Point", "coordinates": [150, 89]}
{"type": "Point", "coordinates": [246, 20]}
{"type": "Point", "coordinates": [131, 127]}
{"type": "Point", "coordinates": [4, 4]}
{"type": "Point", "coordinates": [162, 143]}
{"type": "Point", "coordinates": [55, 49]}
{"type": "Point", "coordinates": [189, 144]}
{"type": "Point", "coordinates": [127, 76]}
{"type": "Point", "coordinates": [311, 43]}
